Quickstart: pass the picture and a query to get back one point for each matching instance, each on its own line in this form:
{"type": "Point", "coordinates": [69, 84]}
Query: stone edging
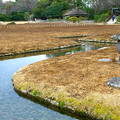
{"type": "Point", "coordinates": [40, 50]}
{"type": "Point", "coordinates": [60, 47]}
{"type": "Point", "coordinates": [54, 105]}
{"type": "Point", "coordinates": [72, 36]}
{"type": "Point", "coordinates": [97, 41]}
{"type": "Point", "coordinates": [77, 36]}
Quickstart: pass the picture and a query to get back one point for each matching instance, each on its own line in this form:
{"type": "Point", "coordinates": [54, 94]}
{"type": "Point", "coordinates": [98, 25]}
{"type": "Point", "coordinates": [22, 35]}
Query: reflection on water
{"type": "Point", "coordinates": [85, 47]}
{"type": "Point", "coordinates": [13, 107]}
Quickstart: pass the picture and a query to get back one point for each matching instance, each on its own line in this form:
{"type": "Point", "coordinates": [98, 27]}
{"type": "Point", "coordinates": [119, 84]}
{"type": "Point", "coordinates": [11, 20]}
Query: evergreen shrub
{"type": "Point", "coordinates": [118, 18]}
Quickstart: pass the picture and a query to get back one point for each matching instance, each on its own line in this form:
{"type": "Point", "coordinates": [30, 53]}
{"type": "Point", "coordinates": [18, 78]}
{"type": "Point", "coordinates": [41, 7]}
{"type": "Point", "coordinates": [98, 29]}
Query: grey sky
{"type": "Point", "coordinates": [7, 0]}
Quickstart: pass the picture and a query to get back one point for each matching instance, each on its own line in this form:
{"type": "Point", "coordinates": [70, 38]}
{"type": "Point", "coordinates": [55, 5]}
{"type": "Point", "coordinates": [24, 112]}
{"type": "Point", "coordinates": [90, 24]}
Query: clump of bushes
{"type": "Point", "coordinates": [67, 18]}
{"type": "Point", "coordinates": [73, 19]}
{"type": "Point", "coordinates": [15, 16]}
{"type": "Point", "coordinates": [4, 17]}
{"type": "Point", "coordinates": [11, 23]}
{"type": "Point", "coordinates": [118, 18]}
{"type": "Point", "coordinates": [96, 17]}
{"type": "Point", "coordinates": [102, 18]}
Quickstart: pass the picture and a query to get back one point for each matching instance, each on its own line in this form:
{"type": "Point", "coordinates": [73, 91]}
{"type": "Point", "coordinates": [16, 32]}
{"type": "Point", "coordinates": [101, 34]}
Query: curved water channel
{"type": "Point", "coordinates": [14, 107]}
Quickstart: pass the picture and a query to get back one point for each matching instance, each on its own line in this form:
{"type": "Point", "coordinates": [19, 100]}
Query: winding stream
{"type": "Point", "coordinates": [14, 107]}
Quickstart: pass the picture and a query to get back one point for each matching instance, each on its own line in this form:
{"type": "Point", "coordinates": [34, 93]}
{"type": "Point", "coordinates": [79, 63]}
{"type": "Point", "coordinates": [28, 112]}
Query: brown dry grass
{"type": "Point", "coordinates": [78, 80]}
{"type": "Point", "coordinates": [76, 72]}
{"type": "Point", "coordinates": [20, 38]}
{"type": "Point", "coordinates": [79, 76]}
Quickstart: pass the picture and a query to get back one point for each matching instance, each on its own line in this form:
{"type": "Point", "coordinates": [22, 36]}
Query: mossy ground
{"type": "Point", "coordinates": [76, 81]}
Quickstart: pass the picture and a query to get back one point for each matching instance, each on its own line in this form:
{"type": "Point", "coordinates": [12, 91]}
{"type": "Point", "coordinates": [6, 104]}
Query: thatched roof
{"type": "Point", "coordinates": [75, 12]}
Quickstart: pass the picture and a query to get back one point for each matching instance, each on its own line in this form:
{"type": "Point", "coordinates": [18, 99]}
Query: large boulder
{"type": "Point", "coordinates": [105, 60]}
{"type": "Point", "coordinates": [115, 37]}
{"type": "Point", "coordinates": [114, 82]}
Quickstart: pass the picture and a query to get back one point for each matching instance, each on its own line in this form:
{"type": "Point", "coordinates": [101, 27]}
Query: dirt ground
{"type": "Point", "coordinates": [26, 37]}
{"type": "Point", "coordinates": [79, 76]}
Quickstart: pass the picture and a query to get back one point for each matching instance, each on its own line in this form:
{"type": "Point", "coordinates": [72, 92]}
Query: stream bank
{"type": "Point", "coordinates": [87, 96]}
{"type": "Point", "coordinates": [14, 107]}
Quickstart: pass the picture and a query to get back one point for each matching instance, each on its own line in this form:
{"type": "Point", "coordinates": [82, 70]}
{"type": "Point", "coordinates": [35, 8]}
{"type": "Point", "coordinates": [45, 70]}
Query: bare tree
{"type": "Point", "coordinates": [1, 3]}
{"type": "Point", "coordinates": [24, 5]}
{"type": "Point", "coordinates": [8, 7]}
{"type": "Point", "coordinates": [115, 3]}
{"type": "Point", "coordinates": [105, 4]}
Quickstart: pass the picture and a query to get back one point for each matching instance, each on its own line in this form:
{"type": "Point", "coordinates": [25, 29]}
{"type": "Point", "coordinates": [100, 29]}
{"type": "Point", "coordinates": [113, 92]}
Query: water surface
{"type": "Point", "coordinates": [14, 107]}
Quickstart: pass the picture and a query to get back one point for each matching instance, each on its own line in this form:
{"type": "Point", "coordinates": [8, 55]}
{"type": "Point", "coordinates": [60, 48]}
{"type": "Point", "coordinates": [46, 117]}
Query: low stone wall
{"type": "Point", "coordinates": [40, 50]}
{"type": "Point", "coordinates": [60, 47]}
{"type": "Point", "coordinates": [97, 41]}
{"type": "Point", "coordinates": [54, 105]}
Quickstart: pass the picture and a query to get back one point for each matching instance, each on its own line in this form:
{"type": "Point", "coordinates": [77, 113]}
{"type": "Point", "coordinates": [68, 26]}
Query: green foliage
{"type": "Point", "coordinates": [14, 16]}
{"type": "Point", "coordinates": [50, 19]}
{"type": "Point", "coordinates": [78, 3]}
{"type": "Point", "coordinates": [4, 17]}
{"type": "Point", "coordinates": [118, 18]}
{"type": "Point", "coordinates": [55, 8]}
{"type": "Point", "coordinates": [50, 9]}
{"type": "Point", "coordinates": [91, 17]}
{"type": "Point", "coordinates": [54, 11]}
{"type": "Point", "coordinates": [90, 12]}
{"type": "Point", "coordinates": [61, 104]}
{"type": "Point", "coordinates": [39, 13]}
{"type": "Point", "coordinates": [74, 19]}
{"type": "Point", "coordinates": [102, 17]}
{"type": "Point", "coordinates": [40, 10]}
{"type": "Point", "coordinates": [35, 92]}
{"type": "Point", "coordinates": [81, 18]}
{"type": "Point", "coordinates": [11, 23]}
{"type": "Point", "coordinates": [109, 12]}
{"type": "Point", "coordinates": [17, 16]}
{"type": "Point", "coordinates": [96, 17]}
{"type": "Point", "coordinates": [67, 18]}
{"type": "Point", "coordinates": [26, 16]}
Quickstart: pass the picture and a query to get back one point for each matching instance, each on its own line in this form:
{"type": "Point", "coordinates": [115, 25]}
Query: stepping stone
{"type": "Point", "coordinates": [105, 60]}
{"type": "Point", "coordinates": [103, 48]}
{"type": "Point", "coordinates": [114, 82]}
{"type": "Point", "coordinates": [116, 37]}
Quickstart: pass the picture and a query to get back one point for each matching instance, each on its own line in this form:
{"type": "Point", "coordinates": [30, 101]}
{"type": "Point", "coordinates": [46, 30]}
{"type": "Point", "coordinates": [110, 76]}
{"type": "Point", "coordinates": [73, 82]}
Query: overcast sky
{"type": "Point", "coordinates": [7, 0]}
